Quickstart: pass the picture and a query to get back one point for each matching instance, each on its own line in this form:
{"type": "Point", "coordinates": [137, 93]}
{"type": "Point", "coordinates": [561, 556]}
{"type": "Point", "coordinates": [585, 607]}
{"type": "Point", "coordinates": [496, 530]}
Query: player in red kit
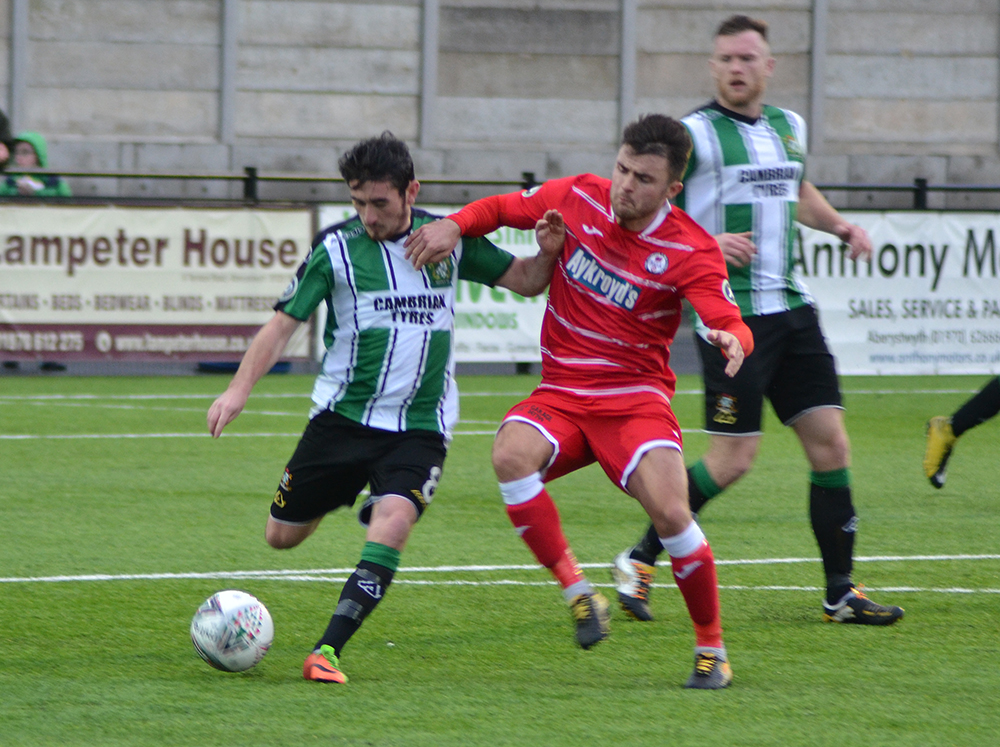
{"type": "Point", "coordinates": [628, 259]}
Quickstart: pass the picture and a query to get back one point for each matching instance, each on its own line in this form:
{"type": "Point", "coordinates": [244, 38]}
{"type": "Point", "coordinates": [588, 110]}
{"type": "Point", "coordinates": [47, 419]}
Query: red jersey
{"type": "Point", "coordinates": [615, 300]}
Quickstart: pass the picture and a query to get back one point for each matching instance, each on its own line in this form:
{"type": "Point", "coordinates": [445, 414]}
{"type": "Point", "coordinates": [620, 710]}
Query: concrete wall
{"type": "Point", "coordinates": [5, 55]}
{"type": "Point", "coordinates": [911, 90]}
{"type": "Point", "coordinates": [906, 88]}
{"type": "Point", "coordinates": [675, 40]}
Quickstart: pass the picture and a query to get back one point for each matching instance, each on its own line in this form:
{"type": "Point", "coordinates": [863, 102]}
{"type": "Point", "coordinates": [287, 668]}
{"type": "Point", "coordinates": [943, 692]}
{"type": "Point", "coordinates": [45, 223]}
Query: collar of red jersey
{"type": "Point", "coordinates": [661, 216]}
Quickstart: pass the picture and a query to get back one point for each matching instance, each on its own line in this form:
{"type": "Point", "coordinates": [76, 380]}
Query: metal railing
{"type": "Point", "coordinates": [252, 180]}
{"type": "Point", "coordinates": [920, 189]}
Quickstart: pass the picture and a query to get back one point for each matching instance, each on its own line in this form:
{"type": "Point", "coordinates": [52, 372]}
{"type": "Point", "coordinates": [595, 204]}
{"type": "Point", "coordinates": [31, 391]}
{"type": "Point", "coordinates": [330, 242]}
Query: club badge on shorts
{"type": "Point", "coordinates": [725, 409]}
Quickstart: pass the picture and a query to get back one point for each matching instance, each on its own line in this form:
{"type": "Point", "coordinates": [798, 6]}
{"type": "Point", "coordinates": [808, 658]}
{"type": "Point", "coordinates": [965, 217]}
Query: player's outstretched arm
{"type": "Point", "coordinates": [260, 358]}
{"type": "Point", "coordinates": [432, 242]}
{"type": "Point", "coordinates": [731, 348]}
{"type": "Point", "coordinates": [816, 212]}
{"type": "Point", "coordinates": [529, 276]}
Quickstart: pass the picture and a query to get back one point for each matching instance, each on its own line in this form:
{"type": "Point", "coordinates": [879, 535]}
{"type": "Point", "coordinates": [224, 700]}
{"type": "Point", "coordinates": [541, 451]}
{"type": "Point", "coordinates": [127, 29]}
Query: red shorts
{"type": "Point", "coordinates": [615, 428]}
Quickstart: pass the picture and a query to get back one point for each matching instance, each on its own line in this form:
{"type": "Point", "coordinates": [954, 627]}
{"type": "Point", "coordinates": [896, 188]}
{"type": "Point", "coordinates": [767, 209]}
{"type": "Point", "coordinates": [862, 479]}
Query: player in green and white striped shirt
{"type": "Point", "coordinates": [745, 185]}
{"type": "Point", "coordinates": [386, 400]}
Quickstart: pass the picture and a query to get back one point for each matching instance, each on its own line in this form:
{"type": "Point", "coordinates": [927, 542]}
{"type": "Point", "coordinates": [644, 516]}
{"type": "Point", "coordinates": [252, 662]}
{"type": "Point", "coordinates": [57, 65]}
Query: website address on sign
{"type": "Point", "coordinates": [916, 357]}
{"type": "Point", "coordinates": [105, 342]}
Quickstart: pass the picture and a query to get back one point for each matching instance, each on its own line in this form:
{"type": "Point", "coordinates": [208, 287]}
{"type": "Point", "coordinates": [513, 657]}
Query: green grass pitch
{"type": "Point", "coordinates": [119, 516]}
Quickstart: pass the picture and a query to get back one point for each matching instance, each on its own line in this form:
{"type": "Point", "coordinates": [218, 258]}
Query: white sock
{"type": "Point", "coordinates": [684, 544]}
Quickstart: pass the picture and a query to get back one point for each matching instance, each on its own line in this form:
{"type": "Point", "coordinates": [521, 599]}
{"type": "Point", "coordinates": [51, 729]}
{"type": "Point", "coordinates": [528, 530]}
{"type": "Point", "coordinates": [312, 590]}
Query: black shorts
{"type": "Point", "coordinates": [335, 459]}
{"type": "Point", "coordinates": [791, 365]}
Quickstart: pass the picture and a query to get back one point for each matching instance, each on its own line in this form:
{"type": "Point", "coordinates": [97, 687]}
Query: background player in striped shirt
{"type": "Point", "coordinates": [744, 184]}
{"type": "Point", "coordinates": [614, 307]}
{"type": "Point", "coordinates": [385, 401]}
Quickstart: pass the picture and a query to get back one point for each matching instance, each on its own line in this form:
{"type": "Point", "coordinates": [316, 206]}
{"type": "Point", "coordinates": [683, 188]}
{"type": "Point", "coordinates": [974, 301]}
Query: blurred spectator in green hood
{"type": "Point", "coordinates": [29, 151]}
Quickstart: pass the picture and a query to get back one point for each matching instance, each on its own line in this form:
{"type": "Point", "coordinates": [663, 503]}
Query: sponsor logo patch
{"type": "Point", "coordinates": [727, 291]}
{"type": "Point", "coordinates": [584, 269]}
{"type": "Point", "coordinates": [287, 294]}
{"type": "Point", "coordinates": [687, 569]}
{"type": "Point", "coordinates": [371, 588]}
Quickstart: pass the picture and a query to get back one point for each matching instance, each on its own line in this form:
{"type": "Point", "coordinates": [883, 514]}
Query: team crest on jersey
{"type": "Point", "coordinates": [727, 291]}
{"type": "Point", "coordinates": [440, 273]}
{"type": "Point", "coordinates": [792, 148]}
{"type": "Point", "coordinates": [656, 263]}
{"type": "Point", "coordinates": [725, 409]}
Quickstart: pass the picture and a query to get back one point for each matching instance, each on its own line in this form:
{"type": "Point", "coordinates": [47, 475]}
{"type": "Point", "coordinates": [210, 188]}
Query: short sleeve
{"type": "Point", "coordinates": [482, 261]}
{"type": "Point", "coordinates": [311, 285]}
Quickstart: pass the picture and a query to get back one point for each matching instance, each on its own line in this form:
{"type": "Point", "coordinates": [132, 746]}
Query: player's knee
{"type": "Point", "coordinates": [830, 453]}
{"type": "Point", "coordinates": [507, 463]}
{"type": "Point", "coordinates": [728, 465]}
{"type": "Point", "coordinates": [837, 452]}
{"type": "Point", "coordinates": [736, 469]}
{"type": "Point", "coordinates": [515, 457]}
{"type": "Point", "coordinates": [393, 518]}
{"type": "Point", "coordinates": [670, 519]}
{"type": "Point", "coordinates": [283, 536]}
{"type": "Point", "coordinates": [278, 541]}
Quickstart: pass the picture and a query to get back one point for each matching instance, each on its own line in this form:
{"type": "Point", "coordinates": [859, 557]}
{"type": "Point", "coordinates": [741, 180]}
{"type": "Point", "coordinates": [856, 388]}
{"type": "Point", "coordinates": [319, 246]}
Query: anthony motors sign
{"type": "Point", "coordinates": [927, 302]}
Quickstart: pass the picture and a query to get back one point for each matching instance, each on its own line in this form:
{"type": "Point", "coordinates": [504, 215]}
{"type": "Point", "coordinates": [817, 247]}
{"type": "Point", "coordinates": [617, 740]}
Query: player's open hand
{"type": "Point", "coordinates": [857, 238]}
{"type": "Point", "coordinates": [737, 248]}
{"type": "Point", "coordinates": [730, 346]}
{"type": "Point", "coordinates": [550, 233]}
{"type": "Point", "coordinates": [224, 411]}
{"type": "Point", "coordinates": [432, 242]}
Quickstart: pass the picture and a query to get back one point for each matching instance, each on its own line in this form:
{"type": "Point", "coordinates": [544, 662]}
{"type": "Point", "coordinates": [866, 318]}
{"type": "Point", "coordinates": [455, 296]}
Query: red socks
{"type": "Point", "coordinates": [696, 578]}
{"type": "Point", "coordinates": [537, 521]}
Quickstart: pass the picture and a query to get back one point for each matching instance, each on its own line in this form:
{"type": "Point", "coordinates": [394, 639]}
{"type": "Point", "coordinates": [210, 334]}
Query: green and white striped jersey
{"type": "Point", "coordinates": [744, 175]}
{"type": "Point", "coordinates": [389, 362]}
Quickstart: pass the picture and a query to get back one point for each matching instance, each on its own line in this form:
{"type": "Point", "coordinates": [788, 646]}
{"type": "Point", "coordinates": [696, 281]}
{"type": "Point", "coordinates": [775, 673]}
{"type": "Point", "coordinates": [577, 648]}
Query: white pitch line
{"type": "Point", "coordinates": [320, 573]}
{"type": "Point", "coordinates": [489, 582]}
{"type": "Point", "coordinates": [148, 408]}
{"type": "Point", "coordinates": [31, 437]}
{"type": "Point", "coordinates": [72, 436]}
{"type": "Point", "coordinates": [43, 397]}
{"type": "Point", "coordinates": [255, 395]}
{"type": "Point", "coordinates": [306, 396]}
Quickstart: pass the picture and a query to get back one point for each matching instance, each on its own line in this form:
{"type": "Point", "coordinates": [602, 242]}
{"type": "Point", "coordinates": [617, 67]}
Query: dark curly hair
{"type": "Point", "coordinates": [378, 159]}
{"type": "Point", "coordinates": [661, 136]}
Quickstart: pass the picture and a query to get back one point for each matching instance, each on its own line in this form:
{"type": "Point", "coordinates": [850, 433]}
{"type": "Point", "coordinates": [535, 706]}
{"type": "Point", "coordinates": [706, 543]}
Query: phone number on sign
{"type": "Point", "coordinates": [42, 342]}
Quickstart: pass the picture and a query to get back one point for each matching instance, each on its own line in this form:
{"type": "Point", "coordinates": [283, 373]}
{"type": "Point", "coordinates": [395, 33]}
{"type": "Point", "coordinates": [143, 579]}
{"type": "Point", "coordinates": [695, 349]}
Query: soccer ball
{"type": "Point", "coordinates": [232, 630]}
